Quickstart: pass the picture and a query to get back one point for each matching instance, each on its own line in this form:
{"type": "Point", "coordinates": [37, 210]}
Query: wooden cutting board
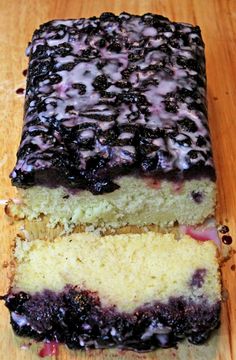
{"type": "Point", "coordinates": [217, 19]}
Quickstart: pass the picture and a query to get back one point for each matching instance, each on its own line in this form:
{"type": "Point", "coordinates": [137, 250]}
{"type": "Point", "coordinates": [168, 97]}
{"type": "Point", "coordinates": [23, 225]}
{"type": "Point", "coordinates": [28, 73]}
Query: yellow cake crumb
{"type": "Point", "coordinates": [137, 202]}
{"type": "Point", "coordinates": [126, 270]}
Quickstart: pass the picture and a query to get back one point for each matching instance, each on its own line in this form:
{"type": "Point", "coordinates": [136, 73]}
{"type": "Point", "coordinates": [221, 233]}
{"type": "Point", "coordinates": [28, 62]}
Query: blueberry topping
{"type": "Point", "coordinates": [136, 83]}
{"type": "Point", "coordinates": [77, 319]}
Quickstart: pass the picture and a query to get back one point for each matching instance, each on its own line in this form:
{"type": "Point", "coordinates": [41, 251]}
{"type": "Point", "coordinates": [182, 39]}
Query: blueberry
{"type": "Point", "coordinates": [103, 185]}
{"type": "Point", "coordinates": [183, 93]}
{"type": "Point", "coordinates": [90, 29]}
{"type": "Point", "coordinates": [146, 147]}
{"type": "Point", "coordinates": [197, 196]}
{"type": "Point", "coordinates": [200, 80]}
{"type": "Point", "coordinates": [196, 157]}
{"type": "Point", "coordinates": [127, 72]}
{"type": "Point", "coordinates": [150, 81]}
{"type": "Point", "coordinates": [183, 36]}
{"type": "Point", "coordinates": [133, 115]}
{"type": "Point", "coordinates": [107, 95]}
{"type": "Point", "coordinates": [201, 141]}
{"type": "Point", "coordinates": [54, 79]}
{"type": "Point", "coordinates": [14, 302]}
{"type": "Point", "coordinates": [80, 87]}
{"type": "Point", "coordinates": [100, 82]}
{"type": "Point", "coordinates": [199, 106]}
{"type": "Point", "coordinates": [170, 102]}
{"type": "Point", "coordinates": [193, 154]}
{"type": "Point", "coordinates": [108, 137]}
{"type": "Point", "coordinates": [41, 67]}
{"type": "Point", "coordinates": [134, 57]}
{"type": "Point", "coordinates": [123, 84]}
{"type": "Point", "coordinates": [59, 32]}
{"type": "Point", "coordinates": [146, 132]}
{"type": "Point", "coordinates": [101, 64]}
{"type": "Point", "coordinates": [181, 139]}
{"type": "Point", "coordinates": [154, 67]}
{"type": "Point", "coordinates": [148, 19]}
{"type": "Point", "coordinates": [90, 53]}
{"type": "Point", "coordinates": [108, 16]}
{"type": "Point", "coordinates": [198, 338]}
{"type": "Point", "coordinates": [68, 66]}
{"type": "Point", "coordinates": [115, 47]}
{"type": "Point", "coordinates": [69, 108]}
{"type": "Point", "coordinates": [102, 43]}
{"type": "Point", "coordinates": [165, 49]}
{"type": "Point", "coordinates": [63, 49]}
{"type": "Point", "coordinates": [39, 52]}
{"type": "Point", "coordinates": [148, 164]}
{"type": "Point", "coordinates": [193, 64]}
{"type": "Point", "coordinates": [188, 125]}
{"type": "Point", "coordinates": [132, 97]}
{"type": "Point", "coordinates": [182, 61]}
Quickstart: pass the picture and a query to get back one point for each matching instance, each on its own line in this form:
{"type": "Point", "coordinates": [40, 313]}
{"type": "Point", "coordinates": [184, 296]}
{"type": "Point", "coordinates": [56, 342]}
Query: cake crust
{"type": "Point", "coordinates": [113, 95]}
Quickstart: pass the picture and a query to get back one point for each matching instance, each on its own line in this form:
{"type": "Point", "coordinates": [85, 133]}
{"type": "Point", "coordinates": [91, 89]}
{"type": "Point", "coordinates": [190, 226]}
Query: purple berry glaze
{"type": "Point", "coordinates": [111, 95]}
{"type": "Point", "coordinates": [76, 318]}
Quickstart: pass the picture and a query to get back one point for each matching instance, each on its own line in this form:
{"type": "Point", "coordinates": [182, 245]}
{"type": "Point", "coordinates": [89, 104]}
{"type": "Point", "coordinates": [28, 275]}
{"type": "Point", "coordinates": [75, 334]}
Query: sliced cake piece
{"type": "Point", "coordinates": [133, 291]}
{"type": "Point", "coordinates": [115, 127]}
{"type": "Point", "coordinates": [137, 202]}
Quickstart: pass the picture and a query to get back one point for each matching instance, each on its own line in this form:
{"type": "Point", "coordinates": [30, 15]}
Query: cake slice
{"type": "Point", "coordinates": [133, 291]}
{"type": "Point", "coordinates": [115, 128]}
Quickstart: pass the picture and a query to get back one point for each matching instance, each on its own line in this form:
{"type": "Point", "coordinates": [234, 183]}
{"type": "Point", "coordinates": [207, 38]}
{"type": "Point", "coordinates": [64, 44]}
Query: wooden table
{"type": "Point", "coordinates": [18, 19]}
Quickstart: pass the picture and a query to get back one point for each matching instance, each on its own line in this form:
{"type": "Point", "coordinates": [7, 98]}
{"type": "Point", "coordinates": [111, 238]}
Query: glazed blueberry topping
{"type": "Point", "coordinates": [102, 75]}
{"type": "Point", "coordinates": [77, 318]}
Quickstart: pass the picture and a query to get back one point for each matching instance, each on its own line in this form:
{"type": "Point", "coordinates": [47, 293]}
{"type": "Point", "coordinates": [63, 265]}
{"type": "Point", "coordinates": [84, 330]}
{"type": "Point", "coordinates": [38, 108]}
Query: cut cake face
{"type": "Point", "coordinates": [134, 291]}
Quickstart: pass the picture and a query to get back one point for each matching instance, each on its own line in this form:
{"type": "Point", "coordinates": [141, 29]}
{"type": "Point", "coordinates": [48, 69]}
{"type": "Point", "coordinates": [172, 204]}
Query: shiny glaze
{"type": "Point", "coordinates": [112, 94]}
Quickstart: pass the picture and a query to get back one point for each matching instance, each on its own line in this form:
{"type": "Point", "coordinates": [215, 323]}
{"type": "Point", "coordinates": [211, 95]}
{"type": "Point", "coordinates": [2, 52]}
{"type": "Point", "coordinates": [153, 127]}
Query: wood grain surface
{"type": "Point", "coordinates": [217, 19]}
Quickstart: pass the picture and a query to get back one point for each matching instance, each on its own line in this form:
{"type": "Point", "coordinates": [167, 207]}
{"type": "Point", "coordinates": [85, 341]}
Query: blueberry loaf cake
{"type": "Point", "coordinates": [115, 128]}
{"type": "Point", "coordinates": [133, 291]}
{"type": "Point", "coordinates": [115, 135]}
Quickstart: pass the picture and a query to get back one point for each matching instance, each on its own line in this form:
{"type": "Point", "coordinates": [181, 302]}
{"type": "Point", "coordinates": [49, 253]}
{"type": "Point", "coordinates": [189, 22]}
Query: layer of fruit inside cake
{"type": "Point", "coordinates": [115, 126]}
{"type": "Point", "coordinates": [133, 291]}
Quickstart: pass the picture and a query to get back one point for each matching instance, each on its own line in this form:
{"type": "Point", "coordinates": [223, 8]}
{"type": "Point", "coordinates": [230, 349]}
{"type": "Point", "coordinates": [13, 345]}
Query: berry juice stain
{"type": "Point", "coordinates": [20, 91]}
{"type": "Point", "coordinates": [227, 239]}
